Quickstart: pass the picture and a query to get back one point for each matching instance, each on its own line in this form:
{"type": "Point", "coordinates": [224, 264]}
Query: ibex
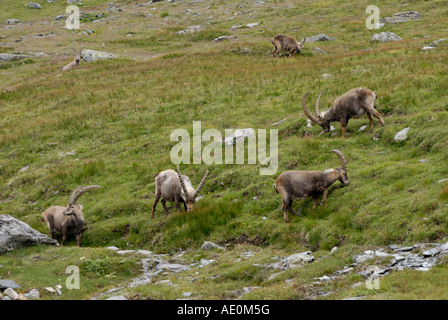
{"type": "Point", "coordinates": [353, 104]}
{"type": "Point", "coordinates": [75, 62]}
{"type": "Point", "coordinates": [173, 186]}
{"type": "Point", "coordinates": [67, 220]}
{"type": "Point", "coordinates": [284, 42]}
{"type": "Point", "coordinates": [301, 184]}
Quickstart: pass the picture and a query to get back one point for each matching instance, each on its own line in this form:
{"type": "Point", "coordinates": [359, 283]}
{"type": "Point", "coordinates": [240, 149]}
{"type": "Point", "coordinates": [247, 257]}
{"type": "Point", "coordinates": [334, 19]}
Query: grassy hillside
{"type": "Point", "coordinates": [109, 122]}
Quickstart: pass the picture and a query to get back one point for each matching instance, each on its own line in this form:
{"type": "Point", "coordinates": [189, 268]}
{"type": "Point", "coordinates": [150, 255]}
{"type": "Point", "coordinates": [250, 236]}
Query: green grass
{"type": "Point", "coordinates": [109, 123]}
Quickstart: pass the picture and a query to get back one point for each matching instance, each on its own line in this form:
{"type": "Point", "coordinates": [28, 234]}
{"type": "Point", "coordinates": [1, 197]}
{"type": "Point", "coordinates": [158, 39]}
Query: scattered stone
{"type": "Point", "coordinates": [319, 37]}
{"type": "Point", "coordinates": [11, 294]}
{"type": "Point", "coordinates": [205, 262]}
{"type": "Point", "coordinates": [442, 180]}
{"type": "Point", "coordinates": [92, 55]}
{"type": "Point", "coordinates": [191, 29]}
{"type": "Point", "coordinates": [12, 57]}
{"type": "Point", "coordinates": [326, 75]}
{"type": "Point", "coordinates": [402, 17]}
{"type": "Point", "coordinates": [145, 252]}
{"type": "Point", "coordinates": [379, 253]}
{"type": "Point", "coordinates": [401, 135]}
{"type": "Point", "coordinates": [113, 248]}
{"type": "Point", "coordinates": [123, 252]}
{"type": "Point", "coordinates": [5, 284]}
{"type": "Point", "coordinates": [280, 122]}
{"type": "Point", "coordinates": [319, 50]}
{"type": "Point", "coordinates": [208, 245]}
{"type": "Point", "coordinates": [436, 42]}
{"type": "Point", "coordinates": [226, 38]}
{"type": "Point", "coordinates": [12, 21]}
{"type": "Point", "coordinates": [50, 290]}
{"type": "Point", "coordinates": [34, 5]}
{"type": "Point", "coordinates": [32, 294]}
{"type": "Point", "coordinates": [334, 250]}
{"type": "Point", "coordinates": [402, 249]}
{"type": "Point", "coordinates": [431, 252]}
{"type": "Point", "coordinates": [251, 25]}
{"type": "Point", "coordinates": [16, 234]}
{"type": "Point", "coordinates": [362, 258]}
{"type": "Point", "coordinates": [362, 128]}
{"type": "Point", "coordinates": [385, 36]}
{"type": "Point", "coordinates": [58, 289]}
{"type": "Point", "coordinates": [299, 259]}
{"type": "Point", "coordinates": [423, 160]}
{"type": "Point", "coordinates": [187, 294]}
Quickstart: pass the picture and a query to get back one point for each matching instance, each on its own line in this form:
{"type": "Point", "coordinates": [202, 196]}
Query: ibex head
{"type": "Point", "coordinates": [78, 55]}
{"type": "Point", "coordinates": [320, 117]}
{"type": "Point", "coordinates": [190, 194]}
{"type": "Point", "coordinates": [342, 172]}
{"type": "Point", "coordinates": [74, 208]}
{"type": "Point", "coordinates": [300, 44]}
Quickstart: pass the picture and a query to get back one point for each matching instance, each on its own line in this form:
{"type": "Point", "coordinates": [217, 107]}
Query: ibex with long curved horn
{"type": "Point", "coordinates": [174, 187]}
{"type": "Point", "coordinates": [76, 60]}
{"type": "Point", "coordinates": [284, 42]}
{"type": "Point", "coordinates": [353, 104]}
{"type": "Point", "coordinates": [68, 220]}
{"type": "Point", "coordinates": [301, 184]}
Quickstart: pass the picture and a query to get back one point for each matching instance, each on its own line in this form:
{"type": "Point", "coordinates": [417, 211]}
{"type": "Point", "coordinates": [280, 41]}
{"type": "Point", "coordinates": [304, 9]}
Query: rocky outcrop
{"type": "Point", "coordinates": [15, 234]}
{"type": "Point", "coordinates": [92, 55]}
{"type": "Point", "coordinates": [385, 36]}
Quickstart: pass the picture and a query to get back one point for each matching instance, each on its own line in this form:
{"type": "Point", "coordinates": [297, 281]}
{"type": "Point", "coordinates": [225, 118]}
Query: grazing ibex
{"type": "Point", "coordinates": [284, 42]}
{"type": "Point", "coordinates": [353, 104]}
{"type": "Point", "coordinates": [67, 220]}
{"type": "Point", "coordinates": [75, 62]}
{"type": "Point", "coordinates": [176, 187]}
{"type": "Point", "coordinates": [301, 184]}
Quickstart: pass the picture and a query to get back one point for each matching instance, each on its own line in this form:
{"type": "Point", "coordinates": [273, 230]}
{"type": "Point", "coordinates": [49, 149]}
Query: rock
{"type": "Point", "coordinates": [280, 122]}
{"type": "Point", "coordinates": [428, 48]}
{"type": "Point", "coordinates": [442, 180]}
{"type": "Point", "coordinates": [363, 258]}
{"type": "Point", "coordinates": [436, 42]}
{"type": "Point", "coordinates": [187, 294]}
{"type": "Point", "coordinates": [32, 294]}
{"type": "Point", "coordinates": [12, 57]}
{"type": "Point", "coordinates": [145, 252]}
{"type": "Point", "coordinates": [50, 290]}
{"type": "Point", "coordinates": [319, 37]}
{"type": "Point", "coordinates": [251, 25]}
{"type": "Point", "coordinates": [401, 135]}
{"type": "Point", "coordinates": [362, 128]}
{"type": "Point", "coordinates": [92, 55]}
{"type": "Point", "coordinates": [72, 1]}
{"type": "Point", "coordinates": [334, 250]}
{"type": "Point", "coordinates": [299, 259]}
{"type": "Point", "coordinates": [58, 288]}
{"type": "Point", "coordinates": [208, 245]}
{"type": "Point", "coordinates": [222, 38]}
{"type": "Point", "coordinates": [319, 50]}
{"type": "Point", "coordinates": [11, 294]}
{"type": "Point", "coordinates": [385, 36]}
{"type": "Point", "coordinates": [431, 252]}
{"type": "Point", "coordinates": [123, 252]}
{"type": "Point", "coordinates": [5, 284]}
{"type": "Point", "coordinates": [191, 29]}
{"type": "Point", "coordinates": [16, 234]}
{"type": "Point", "coordinates": [12, 21]}
{"type": "Point", "coordinates": [402, 17]}
{"type": "Point", "coordinates": [379, 253]}
{"type": "Point", "coordinates": [326, 75]}
{"type": "Point", "coordinates": [113, 248]}
{"type": "Point", "coordinates": [205, 262]}
{"type": "Point", "coordinates": [24, 169]}
{"type": "Point", "coordinates": [403, 249]}
{"type": "Point", "coordinates": [172, 267]}
{"type": "Point", "coordinates": [34, 5]}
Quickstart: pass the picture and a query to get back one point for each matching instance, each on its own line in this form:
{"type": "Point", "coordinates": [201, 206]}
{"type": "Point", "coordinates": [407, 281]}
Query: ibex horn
{"type": "Point", "coordinates": [316, 110]}
{"type": "Point", "coordinates": [83, 190]}
{"type": "Point", "coordinates": [341, 158]}
{"type": "Point", "coordinates": [308, 114]}
{"type": "Point", "coordinates": [72, 195]}
{"type": "Point", "coordinates": [182, 183]}
{"type": "Point", "coordinates": [303, 41]}
{"type": "Point", "coordinates": [201, 184]}
{"type": "Point", "coordinates": [74, 50]}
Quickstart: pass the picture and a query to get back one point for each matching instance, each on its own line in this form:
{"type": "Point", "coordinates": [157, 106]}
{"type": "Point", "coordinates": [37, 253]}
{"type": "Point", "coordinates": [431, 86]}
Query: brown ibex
{"type": "Point", "coordinates": [67, 220]}
{"type": "Point", "coordinates": [75, 62]}
{"type": "Point", "coordinates": [284, 42]}
{"type": "Point", "coordinates": [353, 104]}
{"type": "Point", "coordinates": [173, 186]}
{"type": "Point", "coordinates": [301, 184]}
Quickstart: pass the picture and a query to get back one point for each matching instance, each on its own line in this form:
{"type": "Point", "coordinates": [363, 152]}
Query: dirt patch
{"type": "Point", "coordinates": [258, 240]}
